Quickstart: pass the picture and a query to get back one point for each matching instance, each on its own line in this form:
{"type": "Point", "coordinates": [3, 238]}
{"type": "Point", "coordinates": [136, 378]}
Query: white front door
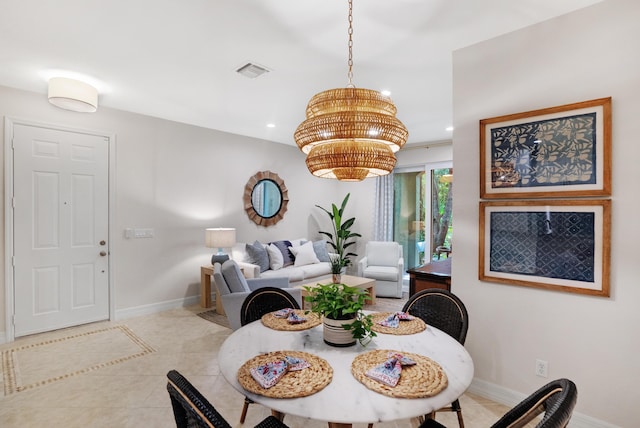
{"type": "Point", "coordinates": [60, 212]}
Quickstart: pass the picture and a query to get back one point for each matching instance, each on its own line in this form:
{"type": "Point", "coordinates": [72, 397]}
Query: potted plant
{"type": "Point", "coordinates": [341, 238]}
{"type": "Point", "coordinates": [337, 267]}
{"type": "Point", "coordinates": [341, 309]}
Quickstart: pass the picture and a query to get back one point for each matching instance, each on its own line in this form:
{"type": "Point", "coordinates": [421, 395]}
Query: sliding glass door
{"type": "Point", "coordinates": [422, 221]}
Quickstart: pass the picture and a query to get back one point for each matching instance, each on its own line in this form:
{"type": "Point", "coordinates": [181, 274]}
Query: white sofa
{"type": "Point", "coordinates": [301, 274]}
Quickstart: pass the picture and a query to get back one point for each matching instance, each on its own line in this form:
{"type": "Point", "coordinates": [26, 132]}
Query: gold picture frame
{"type": "Point", "coordinates": [562, 151]}
{"type": "Point", "coordinates": [562, 245]}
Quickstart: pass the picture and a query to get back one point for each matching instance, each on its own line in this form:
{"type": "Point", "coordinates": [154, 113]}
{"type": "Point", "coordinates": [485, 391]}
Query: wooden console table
{"type": "Point", "coordinates": [436, 274]}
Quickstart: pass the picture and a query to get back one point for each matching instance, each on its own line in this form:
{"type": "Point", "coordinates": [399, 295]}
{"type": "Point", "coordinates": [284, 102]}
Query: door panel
{"type": "Point", "coordinates": [60, 217]}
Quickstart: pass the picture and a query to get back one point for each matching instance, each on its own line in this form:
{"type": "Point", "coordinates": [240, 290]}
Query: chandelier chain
{"type": "Point", "coordinates": [350, 62]}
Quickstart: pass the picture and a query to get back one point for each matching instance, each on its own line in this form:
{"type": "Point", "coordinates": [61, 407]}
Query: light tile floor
{"type": "Point", "coordinates": [133, 393]}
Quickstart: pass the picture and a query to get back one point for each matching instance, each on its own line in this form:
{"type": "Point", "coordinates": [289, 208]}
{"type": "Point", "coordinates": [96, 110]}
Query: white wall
{"type": "Point", "coordinates": [594, 341]}
{"type": "Point", "coordinates": [421, 154]}
{"type": "Point", "coordinates": [180, 179]}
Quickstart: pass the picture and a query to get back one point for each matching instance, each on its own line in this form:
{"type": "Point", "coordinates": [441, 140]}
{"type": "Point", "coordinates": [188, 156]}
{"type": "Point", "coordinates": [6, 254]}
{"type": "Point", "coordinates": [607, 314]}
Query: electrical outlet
{"type": "Point", "coordinates": [542, 368]}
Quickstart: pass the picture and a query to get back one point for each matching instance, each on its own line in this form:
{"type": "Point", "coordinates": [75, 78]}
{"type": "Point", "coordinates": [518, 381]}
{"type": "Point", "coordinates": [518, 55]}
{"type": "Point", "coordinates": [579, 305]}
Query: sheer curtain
{"type": "Point", "coordinates": [383, 212]}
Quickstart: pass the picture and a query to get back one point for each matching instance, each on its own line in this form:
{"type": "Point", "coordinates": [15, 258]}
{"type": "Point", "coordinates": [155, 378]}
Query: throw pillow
{"type": "Point", "coordinates": [287, 256]}
{"type": "Point", "coordinates": [304, 254]}
{"type": "Point", "coordinates": [320, 248]}
{"type": "Point", "coordinates": [258, 255]}
{"type": "Point", "coordinates": [233, 277]}
{"type": "Point", "coordinates": [275, 257]}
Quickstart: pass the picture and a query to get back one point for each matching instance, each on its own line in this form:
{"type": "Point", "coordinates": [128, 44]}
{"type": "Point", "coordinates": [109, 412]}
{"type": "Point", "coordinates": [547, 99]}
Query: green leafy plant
{"type": "Point", "coordinates": [342, 302]}
{"type": "Point", "coordinates": [342, 237]}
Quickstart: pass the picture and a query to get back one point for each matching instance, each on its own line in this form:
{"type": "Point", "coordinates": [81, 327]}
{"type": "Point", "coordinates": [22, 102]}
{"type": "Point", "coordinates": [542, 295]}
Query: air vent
{"type": "Point", "coordinates": [252, 71]}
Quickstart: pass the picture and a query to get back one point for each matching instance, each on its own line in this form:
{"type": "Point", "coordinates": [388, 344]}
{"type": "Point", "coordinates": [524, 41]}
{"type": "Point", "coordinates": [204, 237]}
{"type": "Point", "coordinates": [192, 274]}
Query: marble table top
{"type": "Point", "coordinates": [345, 400]}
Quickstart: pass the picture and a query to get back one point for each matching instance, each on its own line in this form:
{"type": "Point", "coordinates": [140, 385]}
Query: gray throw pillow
{"type": "Point", "coordinates": [233, 277]}
{"type": "Point", "coordinates": [320, 248]}
{"type": "Point", "coordinates": [258, 255]}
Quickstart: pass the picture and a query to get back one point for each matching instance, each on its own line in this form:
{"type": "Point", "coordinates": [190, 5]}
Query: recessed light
{"type": "Point", "coordinates": [449, 128]}
{"type": "Point", "coordinates": [386, 93]}
{"type": "Point", "coordinates": [271, 125]}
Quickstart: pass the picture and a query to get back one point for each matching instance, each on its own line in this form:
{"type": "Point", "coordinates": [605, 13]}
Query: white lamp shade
{"type": "Point", "coordinates": [74, 95]}
{"type": "Point", "coordinates": [222, 237]}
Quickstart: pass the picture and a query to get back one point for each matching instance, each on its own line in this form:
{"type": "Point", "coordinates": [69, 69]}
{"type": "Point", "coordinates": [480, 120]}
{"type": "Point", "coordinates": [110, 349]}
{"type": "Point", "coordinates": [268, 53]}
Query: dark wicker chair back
{"type": "Point", "coordinates": [260, 302]}
{"type": "Point", "coordinates": [441, 309]}
{"type": "Point", "coordinates": [445, 311]}
{"type": "Point", "coordinates": [555, 399]}
{"type": "Point", "coordinates": [265, 300]}
{"type": "Point", "coordinates": [192, 410]}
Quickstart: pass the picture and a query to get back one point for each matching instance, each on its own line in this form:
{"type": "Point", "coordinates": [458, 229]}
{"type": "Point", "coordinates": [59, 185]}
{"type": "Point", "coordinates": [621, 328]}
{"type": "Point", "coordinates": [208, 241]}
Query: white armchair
{"type": "Point", "coordinates": [383, 261]}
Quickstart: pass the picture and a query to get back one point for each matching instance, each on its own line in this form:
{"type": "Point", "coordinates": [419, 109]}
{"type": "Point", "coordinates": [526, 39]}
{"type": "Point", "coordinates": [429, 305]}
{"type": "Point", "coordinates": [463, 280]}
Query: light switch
{"type": "Point", "coordinates": [138, 233]}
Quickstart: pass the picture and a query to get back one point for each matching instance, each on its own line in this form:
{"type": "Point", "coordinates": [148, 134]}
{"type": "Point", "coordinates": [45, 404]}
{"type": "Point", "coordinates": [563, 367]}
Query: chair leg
{"type": "Point", "coordinates": [245, 407]}
{"type": "Point", "coordinates": [456, 408]}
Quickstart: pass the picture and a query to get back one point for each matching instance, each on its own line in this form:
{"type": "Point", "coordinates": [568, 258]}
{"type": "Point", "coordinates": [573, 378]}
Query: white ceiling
{"type": "Point", "coordinates": [176, 59]}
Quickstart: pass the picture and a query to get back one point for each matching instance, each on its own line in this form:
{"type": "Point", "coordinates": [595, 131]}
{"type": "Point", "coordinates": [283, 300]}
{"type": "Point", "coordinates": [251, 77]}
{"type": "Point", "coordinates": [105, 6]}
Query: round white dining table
{"type": "Point", "coordinates": [345, 400]}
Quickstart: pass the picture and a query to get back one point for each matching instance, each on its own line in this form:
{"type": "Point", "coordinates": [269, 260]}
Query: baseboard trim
{"type": "Point", "coordinates": [510, 398]}
{"type": "Point", "coordinates": [142, 310]}
{"type": "Point", "coordinates": [155, 307]}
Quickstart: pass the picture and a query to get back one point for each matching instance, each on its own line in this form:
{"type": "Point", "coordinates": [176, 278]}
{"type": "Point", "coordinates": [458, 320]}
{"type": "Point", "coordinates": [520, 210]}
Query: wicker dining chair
{"type": "Point", "coordinates": [555, 401]}
{"type": "Point", "coordinates": [265, 300]}
{"type": "Point", "coordinates": [191, 409]}
{"type": "Point", "coordinates": [445, 311]}
{"type": "Point", "coordinates": [255, 305]}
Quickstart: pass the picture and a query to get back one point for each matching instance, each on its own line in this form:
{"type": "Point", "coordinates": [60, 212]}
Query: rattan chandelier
{"type": "Point", "coordinates": [350, 133]}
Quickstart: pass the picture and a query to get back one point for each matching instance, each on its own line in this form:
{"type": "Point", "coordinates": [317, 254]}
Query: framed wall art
{"type": "Point", "coordinates": [562, 151]}
{"type": "Point", "coordinates": [553, 244]}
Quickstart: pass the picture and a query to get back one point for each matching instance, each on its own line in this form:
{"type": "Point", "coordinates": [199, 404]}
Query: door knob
{"type": "Point", "coordinates": [103, 253]}
{"type": "Point", "coordinates": [103, 243]}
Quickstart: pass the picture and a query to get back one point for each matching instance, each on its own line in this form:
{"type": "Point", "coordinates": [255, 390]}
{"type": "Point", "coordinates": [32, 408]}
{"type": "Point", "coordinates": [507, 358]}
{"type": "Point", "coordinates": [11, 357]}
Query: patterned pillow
{"type": "Point", "coordinates": [287, 257]}
{"type": "Point", "coordinates": [258, 255]}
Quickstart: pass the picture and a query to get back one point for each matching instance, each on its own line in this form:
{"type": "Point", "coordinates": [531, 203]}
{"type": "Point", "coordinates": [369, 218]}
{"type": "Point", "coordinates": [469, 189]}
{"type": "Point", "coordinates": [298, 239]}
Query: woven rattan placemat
{"type": "Point", "coordinates": [282, 324]}
{"type": "Point", "coordinates": [294, 383]}
{"type": "Point", "coordinates": [416, 325]}
{"type": "Point", "coordinates": [424, 379]}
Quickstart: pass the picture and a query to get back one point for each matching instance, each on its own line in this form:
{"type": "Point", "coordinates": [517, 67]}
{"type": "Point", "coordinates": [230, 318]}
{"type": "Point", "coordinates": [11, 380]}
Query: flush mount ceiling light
{"type": "Point", "coordinates": [74, 95]}
{"type": "Point", "coordinates": [350, 133]}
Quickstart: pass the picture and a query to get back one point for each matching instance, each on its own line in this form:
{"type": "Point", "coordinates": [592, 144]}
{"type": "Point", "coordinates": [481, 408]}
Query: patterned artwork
{"type": "Point", "coordinates": [544, 243]}
{"type": "Point", "coordinates": [550, 152]}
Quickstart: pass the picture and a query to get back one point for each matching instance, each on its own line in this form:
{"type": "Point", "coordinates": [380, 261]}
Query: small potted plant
{"type": "Point", "coordinates": [340, 306]}
{"type": "Point", "coordinates": [338, 266]}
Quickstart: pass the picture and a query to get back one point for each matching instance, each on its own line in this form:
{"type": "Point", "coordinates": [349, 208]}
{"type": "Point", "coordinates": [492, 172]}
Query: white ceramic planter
{"type": "Point", "coordinates": [334, 335]}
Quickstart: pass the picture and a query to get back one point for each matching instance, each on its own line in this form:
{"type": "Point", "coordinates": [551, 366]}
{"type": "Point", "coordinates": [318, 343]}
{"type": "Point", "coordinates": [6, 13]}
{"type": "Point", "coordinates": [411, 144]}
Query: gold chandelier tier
{"type": "Point", "coordinates": [350, 160]}
{"type": "Point", "coordinates": [354, 114]}
{"type": "Point", "coordinates": [350, 98]}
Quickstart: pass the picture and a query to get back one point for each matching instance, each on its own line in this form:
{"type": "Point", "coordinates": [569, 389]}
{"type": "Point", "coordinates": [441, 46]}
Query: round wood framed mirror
{"type": "Point", "coordinates": [265, 198]}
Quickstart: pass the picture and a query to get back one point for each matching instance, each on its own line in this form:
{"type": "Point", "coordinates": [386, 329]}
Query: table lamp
{"type": "Point", "coordinates": [220, 238]}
